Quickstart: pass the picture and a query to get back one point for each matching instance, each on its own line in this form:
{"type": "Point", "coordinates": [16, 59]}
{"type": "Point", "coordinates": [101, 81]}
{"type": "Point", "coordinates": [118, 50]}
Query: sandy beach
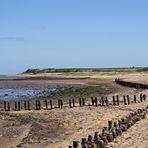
{"type": "Point", "coordinates": [60, 127]}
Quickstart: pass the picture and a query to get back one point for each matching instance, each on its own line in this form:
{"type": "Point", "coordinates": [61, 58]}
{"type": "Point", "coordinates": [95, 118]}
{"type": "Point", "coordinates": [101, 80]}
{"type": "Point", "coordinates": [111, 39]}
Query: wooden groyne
{"type": "Point", "coordinates": [49, 104]}
{"type": "Point", "coordinates": [131, 84]}
{"type": "Point", "coordinates": [111, 131]}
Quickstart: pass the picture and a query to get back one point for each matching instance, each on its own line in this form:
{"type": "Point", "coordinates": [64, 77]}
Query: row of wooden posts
{"type": "Point", "coordinates": [111, 132]}
{"type": "Point", "coordinates": [48, 104]}
{"type": "Point", "coordinates": [131, 84]}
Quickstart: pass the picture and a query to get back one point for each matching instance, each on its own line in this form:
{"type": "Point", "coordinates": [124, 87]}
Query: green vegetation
{"type": "Point", "coordinates": [85, 91]}
{"type": "Point", "coordinates": [60, 70]}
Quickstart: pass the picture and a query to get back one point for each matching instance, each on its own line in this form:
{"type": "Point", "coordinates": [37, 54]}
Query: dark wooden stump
{"type": "Point", "coordinates": [135, 99]}
{"type": "Point", "coordinates": [51, 105]}
{"type": "Point", "coordinates": [46, 104]}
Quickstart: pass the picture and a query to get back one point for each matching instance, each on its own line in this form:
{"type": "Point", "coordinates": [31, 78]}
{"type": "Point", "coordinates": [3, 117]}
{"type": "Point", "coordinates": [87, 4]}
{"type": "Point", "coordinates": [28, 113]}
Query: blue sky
{"type": "Point", "coordinates": [72, 33]}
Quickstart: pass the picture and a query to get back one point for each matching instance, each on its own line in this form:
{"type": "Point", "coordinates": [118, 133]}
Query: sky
{"type": "Point", "coordinates": [72, 33]}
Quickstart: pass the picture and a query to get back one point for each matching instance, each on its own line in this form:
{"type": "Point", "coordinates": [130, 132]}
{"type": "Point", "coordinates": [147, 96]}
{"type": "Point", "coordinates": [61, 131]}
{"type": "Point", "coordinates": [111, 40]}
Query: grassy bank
{"type": "Point", "coordinates": [85, 92]}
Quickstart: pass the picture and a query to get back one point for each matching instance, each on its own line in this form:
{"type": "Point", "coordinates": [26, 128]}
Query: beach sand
{"type": "Point", "coordinates": [58, 128]}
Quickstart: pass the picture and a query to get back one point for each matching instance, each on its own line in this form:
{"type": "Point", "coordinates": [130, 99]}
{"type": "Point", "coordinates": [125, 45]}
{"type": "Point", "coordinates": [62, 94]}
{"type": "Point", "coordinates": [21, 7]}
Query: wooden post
{"type": "Point", "coordinates": [83, 101]}
{"type": "Point", "coordinates": [118, 102]}
{"type": "Point", "coordinates": [144, 97]}
{"type": "Point", "coordinates": [61, 103]}
{"type": "Point", "coordinates": [15, 105]}
{"type": "Point", "coordinates": [114, 101]}
{"type": "Point", "coordinates": [73, 102]}
{"type": "Point", "coordinates": [106, 101]}
{"type": "Point", "coordinates": [124, 99]}
{"type": "Point", "coordinates": [75, 144]}
{"type": "Point", "coordinates": [96, 101]}
{"type": "Point", "coordinates": [84, 143]}
{"type": "Point", "coordinates": [80, 102]}
{"type": "Point", "coordinates": [141, 98]}
{"type": "Point", "coordinates": [102, 101]}
{"type": "Point", "coordinates": [28, 103]}
{"type": "Point", "coordinates": [96, 136]}
{"type": "Point", "coordinates": [46, 104]}
{"type": "Point", "coordinates": [70, 103]}
{"type": "Point", "coordinates": [38, 104]}
{"type": "Point", "coordinates": [6, 106]}
{"type": "Point", "coordinates": [93, 101]}
{"type": "Point", "coordinates": [19, 106]}
{"type": "Point", "coordinates": [110, 125]}
{"type": "Point", "coordinates": [128, 99]}
{"type": "Point", "coordinates": [25, 105]}
{"type": "Point", "coordinates": [51, 106]}
{"type": "Point", "coordinates": [135, 99]}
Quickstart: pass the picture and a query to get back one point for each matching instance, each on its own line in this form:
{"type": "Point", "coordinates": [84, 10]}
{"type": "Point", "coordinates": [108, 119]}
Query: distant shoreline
{"type": "Point", "coordinates": [43, 78]}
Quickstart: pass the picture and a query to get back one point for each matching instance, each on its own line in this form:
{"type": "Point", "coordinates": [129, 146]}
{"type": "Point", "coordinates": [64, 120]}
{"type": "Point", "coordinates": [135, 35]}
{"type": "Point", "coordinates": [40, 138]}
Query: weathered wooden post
{"type": "Point", "coordinates": [25, 105]}
{"type": "Point", "coordinates": [144, 97]}
{"type": "Point", "coordinates": [46, 104]}
{"type": "Point", "coordinates": [110, 125]}
{"type": "Point", "coordinates": [37, 104]}
{"type": "Point", "coordinates": [141, 98]}
{"type": "Point", "coordinates": [19, 106]}
{"type": "Point", "coordinates": [75, 144]}
{"type": "Point", "coordinates": [80, 102]}
{"type": "Point", "coordinates": [6, 106]}
{"type": "Point", "coordinates": [51, 106]}
{"type": "Point", "coordinates": [106, 101]}
{"type": "Point", "coordinates": [73, 102]}
{"type": "Point", "coordinates": [92, 101]}
{"type": "Point", "coordinates": [135, 99]}
{"type": "Point", "coordinates": [15, 105]}
{"type": "Point", "coordinates": [128, 100]}
{"type": "Point", "coordinates": [83, 101]}
{"type": "Point", "coordinates": [70, 103]}
{"type": "Point", "coordinates": [124, 99]}
{"type": "Point", "coordinates": [84, 143]}
{"type": "Point", "coordinates": [118, 101]}
{"type": "Point", "coordinates": [96, 136]}
{"type": "Point", "coordinates": [90, 142]}
{"type": "Point", "coordinates": [114, 100]}
{"type": "Point", "coordinates": [102, 101]}
{"type": "Point", "coordinates": [59, 104]}
{"type": "Point", "coordinates": [96, 101]}
{"type": "Point", "coordinates": [28, 103]}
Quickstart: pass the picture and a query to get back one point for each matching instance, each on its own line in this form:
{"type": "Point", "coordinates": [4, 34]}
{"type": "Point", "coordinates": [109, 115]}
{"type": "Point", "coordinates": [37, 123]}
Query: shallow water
{"type": "Point", "coordinates": [10, 89]}
{"type": "Point", "coordinates": [20, 93]}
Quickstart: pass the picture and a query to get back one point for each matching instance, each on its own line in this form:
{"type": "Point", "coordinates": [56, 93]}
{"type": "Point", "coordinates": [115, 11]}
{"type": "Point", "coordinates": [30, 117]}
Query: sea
{"type": "Point", "coordinates": [13, 90]}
